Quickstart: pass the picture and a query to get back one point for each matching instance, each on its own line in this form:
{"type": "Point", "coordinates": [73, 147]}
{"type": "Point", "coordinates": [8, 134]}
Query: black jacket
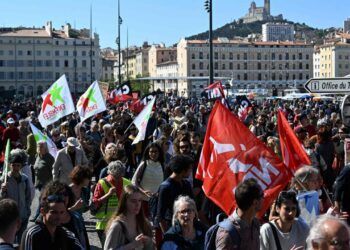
{"type": "Point", "coordinates": [174, 234]}
{"type": "Point", "coordinates": [342, 189]}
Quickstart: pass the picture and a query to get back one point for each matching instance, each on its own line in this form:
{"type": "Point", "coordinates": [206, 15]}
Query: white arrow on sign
{"type": "Point", "coordinates": [328, 85]}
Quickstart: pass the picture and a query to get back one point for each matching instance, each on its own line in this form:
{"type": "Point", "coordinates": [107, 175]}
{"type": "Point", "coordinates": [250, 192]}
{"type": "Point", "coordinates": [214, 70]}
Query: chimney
{"type": "Point", "coordinates": [66, 29]}
{"type": "Point", "coordinates": [48, 28]}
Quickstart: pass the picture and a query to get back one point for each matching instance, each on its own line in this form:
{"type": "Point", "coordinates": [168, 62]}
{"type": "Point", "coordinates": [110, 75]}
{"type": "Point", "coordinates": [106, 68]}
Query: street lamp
{"type": "Point", "coordinates": [120, 21]}
{"type": "Point", "coordinates": [209, 7]}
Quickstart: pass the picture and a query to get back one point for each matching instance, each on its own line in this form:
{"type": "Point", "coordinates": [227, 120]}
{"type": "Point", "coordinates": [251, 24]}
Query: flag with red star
{"type": "Point", "coordinates": [57, 102]}
{"type": "Point", "coordinates": [91, 102]}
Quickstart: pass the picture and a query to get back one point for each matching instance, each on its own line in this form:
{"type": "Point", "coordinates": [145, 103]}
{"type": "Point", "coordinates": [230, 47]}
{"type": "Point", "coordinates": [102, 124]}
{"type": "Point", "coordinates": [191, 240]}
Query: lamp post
{"type": "Point", "coordinates": [209, 7]}
{"type": "Point", "coordinates": [120, 21]}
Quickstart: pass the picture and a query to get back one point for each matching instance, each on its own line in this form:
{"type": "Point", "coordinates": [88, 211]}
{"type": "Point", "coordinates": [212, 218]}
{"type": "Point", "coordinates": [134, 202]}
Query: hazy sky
{"type": "Point", "coordinates": [158, 21]}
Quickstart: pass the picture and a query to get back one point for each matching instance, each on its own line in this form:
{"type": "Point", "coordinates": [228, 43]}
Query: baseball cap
{"type": "Point", "coordinates": [10, 121]}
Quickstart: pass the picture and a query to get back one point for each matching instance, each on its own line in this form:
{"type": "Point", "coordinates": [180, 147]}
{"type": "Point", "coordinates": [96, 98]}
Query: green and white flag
{"type": "Point", "coordinates": [141, 121]}
{"type": "Point", "coordinates": [91, 102]}
{"type": "Point", "coordinates": [5, 168]}
{"type": "Point", "coordinates": [39, 136]}
{"type": "Point", "coordinates": [57, 102]}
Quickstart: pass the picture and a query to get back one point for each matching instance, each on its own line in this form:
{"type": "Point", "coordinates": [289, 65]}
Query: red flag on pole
{"type": "Point", "coordinates": [293, 153]}
{"type": "Point", "coordinates": [230, 154]}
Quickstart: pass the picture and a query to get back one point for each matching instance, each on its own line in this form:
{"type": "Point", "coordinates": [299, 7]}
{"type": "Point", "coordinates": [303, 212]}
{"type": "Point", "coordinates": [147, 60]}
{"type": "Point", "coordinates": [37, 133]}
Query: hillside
{"type": "Point", "coordinates": [240, 29]}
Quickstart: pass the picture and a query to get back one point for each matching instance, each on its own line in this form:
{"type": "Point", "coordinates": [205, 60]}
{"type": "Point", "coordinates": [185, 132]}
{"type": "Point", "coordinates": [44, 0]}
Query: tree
{"type": "Point", "coordinates": [143, 86]}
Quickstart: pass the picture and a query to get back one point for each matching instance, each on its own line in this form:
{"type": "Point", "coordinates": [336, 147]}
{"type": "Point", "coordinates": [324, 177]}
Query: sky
{"type": "Point", "coordinates": [157, 21]}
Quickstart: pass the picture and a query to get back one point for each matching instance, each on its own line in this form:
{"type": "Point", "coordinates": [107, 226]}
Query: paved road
{"type": "Point", "coordinates": [89, 223]}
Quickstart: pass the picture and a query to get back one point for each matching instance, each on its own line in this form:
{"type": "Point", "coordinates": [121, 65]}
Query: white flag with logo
{"type": "Point", "coordinates": [141, 121]}
{"type": "Point", "coordinates": [57, 102]}
{"type": "Point", "coordinates": [91, 102]}
{"type": "Point", "coordinates": [39, 136]}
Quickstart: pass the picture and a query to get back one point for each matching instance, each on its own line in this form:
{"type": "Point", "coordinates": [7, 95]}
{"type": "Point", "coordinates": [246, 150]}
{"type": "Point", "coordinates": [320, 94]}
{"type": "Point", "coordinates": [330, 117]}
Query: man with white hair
{"type": "Point", "coordinates": [329, 233]}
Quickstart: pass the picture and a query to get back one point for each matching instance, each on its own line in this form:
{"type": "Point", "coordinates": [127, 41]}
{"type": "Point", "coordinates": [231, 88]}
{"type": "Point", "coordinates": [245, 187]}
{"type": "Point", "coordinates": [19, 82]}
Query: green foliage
{"type": "Point", "coordinates": [144, 86]}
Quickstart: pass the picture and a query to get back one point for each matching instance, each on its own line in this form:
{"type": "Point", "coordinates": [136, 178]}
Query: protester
{"type": "Point", "coordinates": [11, 133]}
{"type": "Point", "coordinates": [128, 228]}
{"type": "Point", "coordinates": [342, 192]}
{"type": "Point", "coordinates": [80, 177]}
{"type": "Point", "coordinates": [248, 196]}
{"type": "Point", "coordinates": [9, 223]}
{"type": "Point", "coordinates": [107, 194]}
{"type": "Point", "coordinates": [187, 232]}
{"type": "Point", "coordinates": [329, 233]}
{"type": "Point", "coordinates": [48, 233]}
{"type": "Point", "coordinates": [17, 188]}
{"type": "Point", "coordinates": [43, 165]}
{"type": "Point", "coordinates": [66, 159]}
{"type": "Point", "coordinates": [287, 231]}
{"type": "Point", "coordinates": [71, 220]}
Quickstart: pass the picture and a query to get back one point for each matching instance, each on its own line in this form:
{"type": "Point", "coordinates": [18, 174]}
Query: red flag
{"type": "Point", "coordinates": [294, 155]}
{"type": "Point", "coordinates": [230, 154]}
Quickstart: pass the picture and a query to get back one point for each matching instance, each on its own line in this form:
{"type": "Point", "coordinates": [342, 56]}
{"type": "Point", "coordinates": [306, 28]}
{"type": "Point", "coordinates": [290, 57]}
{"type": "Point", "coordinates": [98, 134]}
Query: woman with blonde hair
{"type": "Point", "coordinates": [128, 228]}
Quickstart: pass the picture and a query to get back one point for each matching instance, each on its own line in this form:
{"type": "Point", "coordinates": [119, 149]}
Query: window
{"type": "Point", "coordinates": [340, 57]}
{"type": "Point", "coordinates": [29, 75]}
{"type": "Point", "coordinates": [29, 53]}
{"type": "Point", "coordinates": [201, 65]}
{"type": "Point", "coordinates": [10, 52]}
{"type": "Point", "coordinates": [193, 56]}
{"type": "Point", "coordinates": [293, 57]}
{"type": "Point", "coordinates": [57, 43]}
{"type": "Point", "coordinates": [216, 55]}
{"type": "Point", "coordinates": [20, 63]}
{"type": "Point", "coordinates": [2, 75]}
{"type": "Point", "coordinates": [273, 56]}
{"type": "Point", "coordinates": [245, 76]}
{"type": "Point", "coordinates": [39, 75]}
{"type": "Point", "coordinates": [200, 55]}
{"type": "Point", "coordinates": [238, 77]}
{"type": "Point", "coordinates": [300, 66]}
{"type": "Point", "coordinates": [65, 53]}
{"type": "Point", "coordinates": [83, 53]}
{"type": "Point", "coordinates": [259, 65]}
{"type": "Point", "coordinates": [74, 53]}
{"type": "Point", "coordinates": [66, 64]}
{"type": "Point", "coordinates": [216, 65]}
{"type": "Point", "coordinates": [30, 63]}
{"type": "Point", "coordinates": [307, 56]}
{"type": "Point", "coordinates": [223, 66]}
{"type": "Point", "coordinates": [280, 57]}
{"type": "Point", "coordinates": [259, 76]}
{"type": "Point", "coordinates": [300, 56]}
{"type": "Point", "coordinates": [57, 53]}
{"type": "Point", "coordinates": [259, 56]}
{"type": "Point", "coordinates": [301, 76]}
{"type": "Point", "coordinates": [245, 65]}
{"type": "Point", "coordinates": [231, 65]}
{"type": "Point", "coordinates": [20, 75]}
{"type": "Point", "coordinates": [38, 53]}
{"type": "Point", "coordinates": [307, 66]}
{"type": "Point", "coordinates": [57, 63]}
{"type": "Point", "coordinates": [193, 66]}
{"type": "Point", "coordinates": [20, 52]}
{"type": "Point", "coordinates": [273, 76]}
{"type": "Point", "coordinates": [57, 75]}
{"type": "Point", "coordinates": [48, 63]}
{"type": "Point", "coordinates": [231, 55]}
{"type": "Point", "coordinates": [287, 56]}
{"type": "Point", "coordinates": [84, 76]}
{"type": "Point", "coordinates": [223, 56]}
{"type": "Point", "coordinates": [238, 66]}
{"type": "Point", "coordinates": [287, 66]}
{"type": "Point", "coordinates": [93, 63]}
{"type": "Point", "coordinates": [2, 64]}
{"type": "Point", "coordinates": [65, 43]}
{"type": "Point", "coordinates": [238, 57]}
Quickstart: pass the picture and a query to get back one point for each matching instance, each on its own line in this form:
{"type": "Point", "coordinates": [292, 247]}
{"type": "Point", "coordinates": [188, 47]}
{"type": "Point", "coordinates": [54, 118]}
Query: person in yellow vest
{"type": "Point", "coordinates": [107, 194]}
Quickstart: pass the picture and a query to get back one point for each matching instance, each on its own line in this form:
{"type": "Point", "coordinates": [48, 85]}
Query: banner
{"type": "Point", "coordinates": [91, 102]}
{"type": "Point", "coordinates": [213, 92]}
{"type": "Point", "coordinates": [57, 102]}
{"type": "Point", "coordinates": [141, 121]}
{"type": "Point", "coordinates": [39, 136]}
{"type": "Point", "coordinates": [309, 206]}
{"type": "Point", "coordinates": [121, 94]}
{"type": "Point", "coordinates": [137, 106]}
{"type": "Point", "coordinates": [231, 154]}
{"type": "Point", "coordinates": [244, 107]}
{"type": "Point", "coordinates": [5, 168]}
{"type": "Point", "coordinates": [293, 153]}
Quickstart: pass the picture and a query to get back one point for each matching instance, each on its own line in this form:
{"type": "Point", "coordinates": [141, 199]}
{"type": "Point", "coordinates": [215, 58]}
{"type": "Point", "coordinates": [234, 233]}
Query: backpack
{"type": "Point", "coordinates": [210, 236]}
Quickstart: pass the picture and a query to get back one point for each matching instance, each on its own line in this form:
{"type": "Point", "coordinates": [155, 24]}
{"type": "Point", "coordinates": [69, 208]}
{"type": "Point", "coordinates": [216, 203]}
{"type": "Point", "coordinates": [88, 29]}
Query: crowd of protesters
{"type": "Point", "coordinates": [146, 196]}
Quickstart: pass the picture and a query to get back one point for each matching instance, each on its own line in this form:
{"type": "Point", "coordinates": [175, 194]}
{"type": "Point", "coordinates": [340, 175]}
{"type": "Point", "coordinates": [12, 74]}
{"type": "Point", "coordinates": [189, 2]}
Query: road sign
{"type": "Point", "coordinates": [345, 110]}
{"type": "Point", "coordinates": [328, 85]}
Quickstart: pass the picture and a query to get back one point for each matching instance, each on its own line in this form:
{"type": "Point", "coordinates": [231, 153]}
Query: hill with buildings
{"type": "Point", "coordinates": [253, 30]}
